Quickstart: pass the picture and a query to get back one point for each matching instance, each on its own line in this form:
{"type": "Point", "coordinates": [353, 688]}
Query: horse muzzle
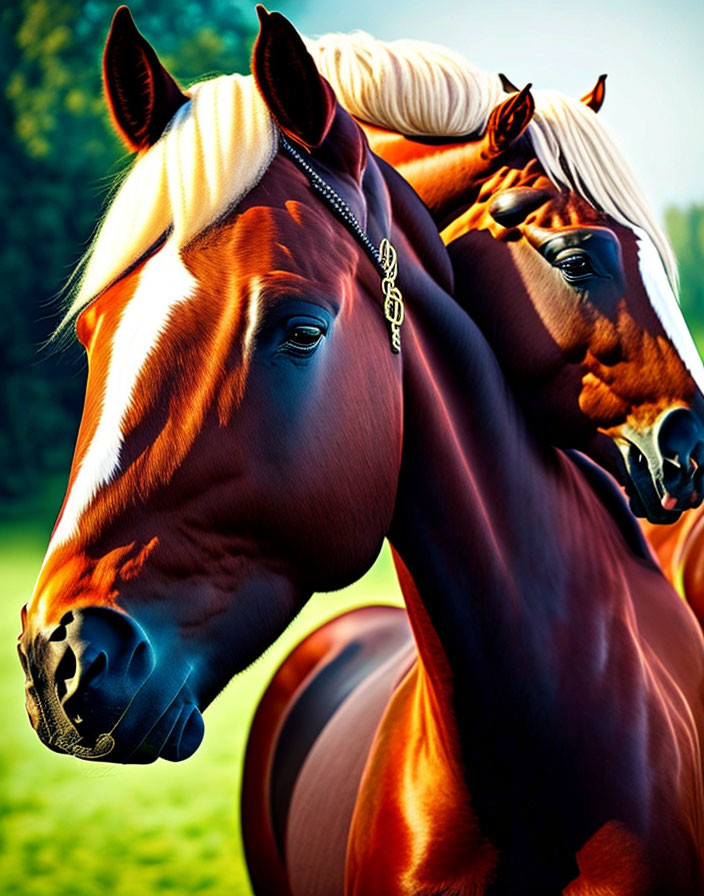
{"type": "Point", "coordinates": [665, 466]}
{"type": "Point", "coordinates": [95, 689]}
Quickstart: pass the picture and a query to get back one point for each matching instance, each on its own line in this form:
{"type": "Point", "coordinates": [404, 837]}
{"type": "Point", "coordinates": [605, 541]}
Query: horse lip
{"type": "Point", "coordinates": [126, 731]}
{"type": "Point", "coordinates": [185, 703]}
{"type": "Point", "coordinates": [644, 483]}
{"type": "Point", "coordinates": [185, 736]}
{"type": "Point", "coordinates": [56, 730]}
{"type": "Point", "coordinates": [103, 746]}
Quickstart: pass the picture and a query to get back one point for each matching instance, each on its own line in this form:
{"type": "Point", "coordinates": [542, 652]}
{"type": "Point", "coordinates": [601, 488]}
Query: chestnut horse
{"type": "Point", "coordinates": [251, 433]}
{"type": "Point", "coordinates": [541, 212]}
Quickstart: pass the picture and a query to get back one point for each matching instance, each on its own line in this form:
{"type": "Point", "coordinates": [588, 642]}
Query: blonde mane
{"type": "Point", "coordinates": [422, 89]}
{"type": "Point", "coordinates": [220, 143]}
{"type": "Point", "coordinates": [215, 150]}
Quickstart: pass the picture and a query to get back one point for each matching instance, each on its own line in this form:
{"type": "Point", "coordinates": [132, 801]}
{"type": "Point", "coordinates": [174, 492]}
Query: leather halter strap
{"type": "Point", "coordinates": [383, 258]}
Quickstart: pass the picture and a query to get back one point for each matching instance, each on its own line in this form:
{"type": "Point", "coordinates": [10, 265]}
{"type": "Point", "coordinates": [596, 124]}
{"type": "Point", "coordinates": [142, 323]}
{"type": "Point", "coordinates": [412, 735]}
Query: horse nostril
{"type": "Point", "coordinates": [141, 664]}
{"type": "Point", "coordinates": [96, 670]}
{"type": "Point", "coordinates": [65, 672]}
{"type": "Point", "coordinates": [637, 458]}
{"type": "Point", "coordinates": [60, 633]}
{"type": "Point", "coordinates": [678, 435]}
{"type": "Point", "coordinates": [86, 672]}
{"type": "Point", "coordinates": [679, 441]}
{"type": "Point", "coordinates": [674, 472]}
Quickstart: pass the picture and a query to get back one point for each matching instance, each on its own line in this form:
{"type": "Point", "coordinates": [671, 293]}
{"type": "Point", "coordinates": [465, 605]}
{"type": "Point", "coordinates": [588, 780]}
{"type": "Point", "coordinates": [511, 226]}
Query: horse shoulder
{"type": "Point", "coordinates": [656, 654]}
{"type": "Point", "coordinates": [413, 829]}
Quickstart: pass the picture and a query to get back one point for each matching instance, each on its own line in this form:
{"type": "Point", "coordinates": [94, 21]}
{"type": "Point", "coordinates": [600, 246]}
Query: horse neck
{"type": "Point", "coordinates": [518, 583]}
{"type": "Point", "coordinates": [489, 523]}
{"type": "Point", "coordinates": [451, 178]}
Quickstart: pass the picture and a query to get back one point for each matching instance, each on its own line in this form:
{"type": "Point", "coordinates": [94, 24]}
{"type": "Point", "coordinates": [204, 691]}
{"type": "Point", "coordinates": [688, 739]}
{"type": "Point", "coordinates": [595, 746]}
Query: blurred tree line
{"type": "Point", "coordinates": [58, 155]}
{"type": "Point", "coordinates": [686, 230]}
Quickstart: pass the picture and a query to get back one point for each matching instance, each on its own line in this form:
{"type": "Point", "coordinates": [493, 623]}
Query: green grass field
{"type": "Point", "coordinates": [72, 828]}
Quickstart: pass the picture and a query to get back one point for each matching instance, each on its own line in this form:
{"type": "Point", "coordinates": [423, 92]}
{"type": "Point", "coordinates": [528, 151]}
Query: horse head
{"type": "Point", "coordinates": [241, 435]}
{"type": "Point", "coordinates": [583, 314]}
{"type": "Point", "coordinates": [556, 254]}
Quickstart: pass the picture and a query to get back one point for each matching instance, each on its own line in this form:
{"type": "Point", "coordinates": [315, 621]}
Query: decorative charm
{"type": "Point", "coordinates": [393, 300]}
{"type": "Point", "coordinates": [384, 258]}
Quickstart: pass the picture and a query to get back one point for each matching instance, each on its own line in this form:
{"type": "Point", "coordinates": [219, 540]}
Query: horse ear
{"type": "Point", "coordinates": [595, 98]}
{"type": "Point", "coordinates": [300, 99]}
{"type": "Point", "coordinates": [509, 120]}
{"type": "Point", "coordinates": [141, 95]}
{"type": "Point", "coordinates": [507, 84]}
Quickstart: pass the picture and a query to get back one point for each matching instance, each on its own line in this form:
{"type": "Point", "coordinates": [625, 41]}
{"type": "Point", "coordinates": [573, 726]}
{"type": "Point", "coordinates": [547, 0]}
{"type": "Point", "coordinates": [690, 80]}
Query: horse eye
{"type": "Point", "coordinates": [304, 338]}
{"type": "Point", "coordinates": [575, 267]}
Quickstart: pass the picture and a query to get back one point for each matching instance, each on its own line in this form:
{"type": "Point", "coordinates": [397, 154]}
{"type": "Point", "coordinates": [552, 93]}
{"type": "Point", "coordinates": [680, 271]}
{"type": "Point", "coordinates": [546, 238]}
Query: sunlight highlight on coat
{"type": "Point", "coordinates": [164, 283]}
{"type": "Point", "coordinates": [253, 316]}
{"type": "Point", "coordinates": [666, 307]}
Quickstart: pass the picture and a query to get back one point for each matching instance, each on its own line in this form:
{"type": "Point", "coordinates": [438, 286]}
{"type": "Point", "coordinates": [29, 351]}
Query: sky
{"type": "Point", "coordinates": [653, 53]}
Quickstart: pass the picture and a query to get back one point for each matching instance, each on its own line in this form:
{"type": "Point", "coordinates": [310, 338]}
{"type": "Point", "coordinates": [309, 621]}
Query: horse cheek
{"type": "Point", "coordinates": [599, 403]}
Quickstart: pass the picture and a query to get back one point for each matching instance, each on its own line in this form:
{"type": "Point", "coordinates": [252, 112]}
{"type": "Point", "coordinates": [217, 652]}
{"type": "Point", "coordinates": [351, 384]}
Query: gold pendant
{"type": "Point", "coordinates": [393, 300]}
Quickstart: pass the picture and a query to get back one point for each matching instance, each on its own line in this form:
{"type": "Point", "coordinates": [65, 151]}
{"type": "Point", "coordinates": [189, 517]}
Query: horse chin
{"type": "Point", "coordinates": [644, 502]}
{"type": "Point", "coordinates": [646, 498]}
{"type": "Point", "coordinates": [175, 737]}
{"type": "Point", "coordinates": [162, 721]}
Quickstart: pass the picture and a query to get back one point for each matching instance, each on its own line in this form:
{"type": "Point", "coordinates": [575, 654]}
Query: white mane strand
{"type": "Point", "coordinates": [215, 150]}
{"type": "Point", "coordinates": [422, 89]}
{"type": "Point", "coordinates": [407, 85]}
{"type": "Point", "coordinates": [577, 151]}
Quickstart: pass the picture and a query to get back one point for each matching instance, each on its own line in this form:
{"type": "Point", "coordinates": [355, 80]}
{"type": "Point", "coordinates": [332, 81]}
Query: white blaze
{"type": "Point", "coordinates": [666, 306]}
{"type": "Point", "coordinates": [164, 283]}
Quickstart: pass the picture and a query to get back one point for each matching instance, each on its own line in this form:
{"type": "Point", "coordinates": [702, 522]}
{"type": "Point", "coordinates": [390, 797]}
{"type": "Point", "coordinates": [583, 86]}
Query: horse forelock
{"type": "Point", "coordinates": [578, 151]}
{"type": "Point", "coordinates": [421, 89]}
{"type": "Point", "coordinates": [133, 435]}
{"type": "Point", "coordinates": [214, 152]}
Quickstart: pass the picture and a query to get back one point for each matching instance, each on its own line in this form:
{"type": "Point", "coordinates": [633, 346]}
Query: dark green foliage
{"type": "Point", "coordinates": [686, 230]}
{"type": "Point", "coordinates": [57, 155]}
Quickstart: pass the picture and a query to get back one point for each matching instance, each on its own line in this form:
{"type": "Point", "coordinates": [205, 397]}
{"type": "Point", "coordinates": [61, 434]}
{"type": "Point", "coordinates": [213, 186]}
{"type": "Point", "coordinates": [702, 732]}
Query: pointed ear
{"type": "Point", "coordinates": [300, 99]}
{"type": "Point", "coordinates": [141, 95]}
{"type": "Point", "coordinates": [595, 98]}
{"type": "Point", "coordinates": [509, 120]}
{"type": "Point", "coordinates": [507, 84]}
